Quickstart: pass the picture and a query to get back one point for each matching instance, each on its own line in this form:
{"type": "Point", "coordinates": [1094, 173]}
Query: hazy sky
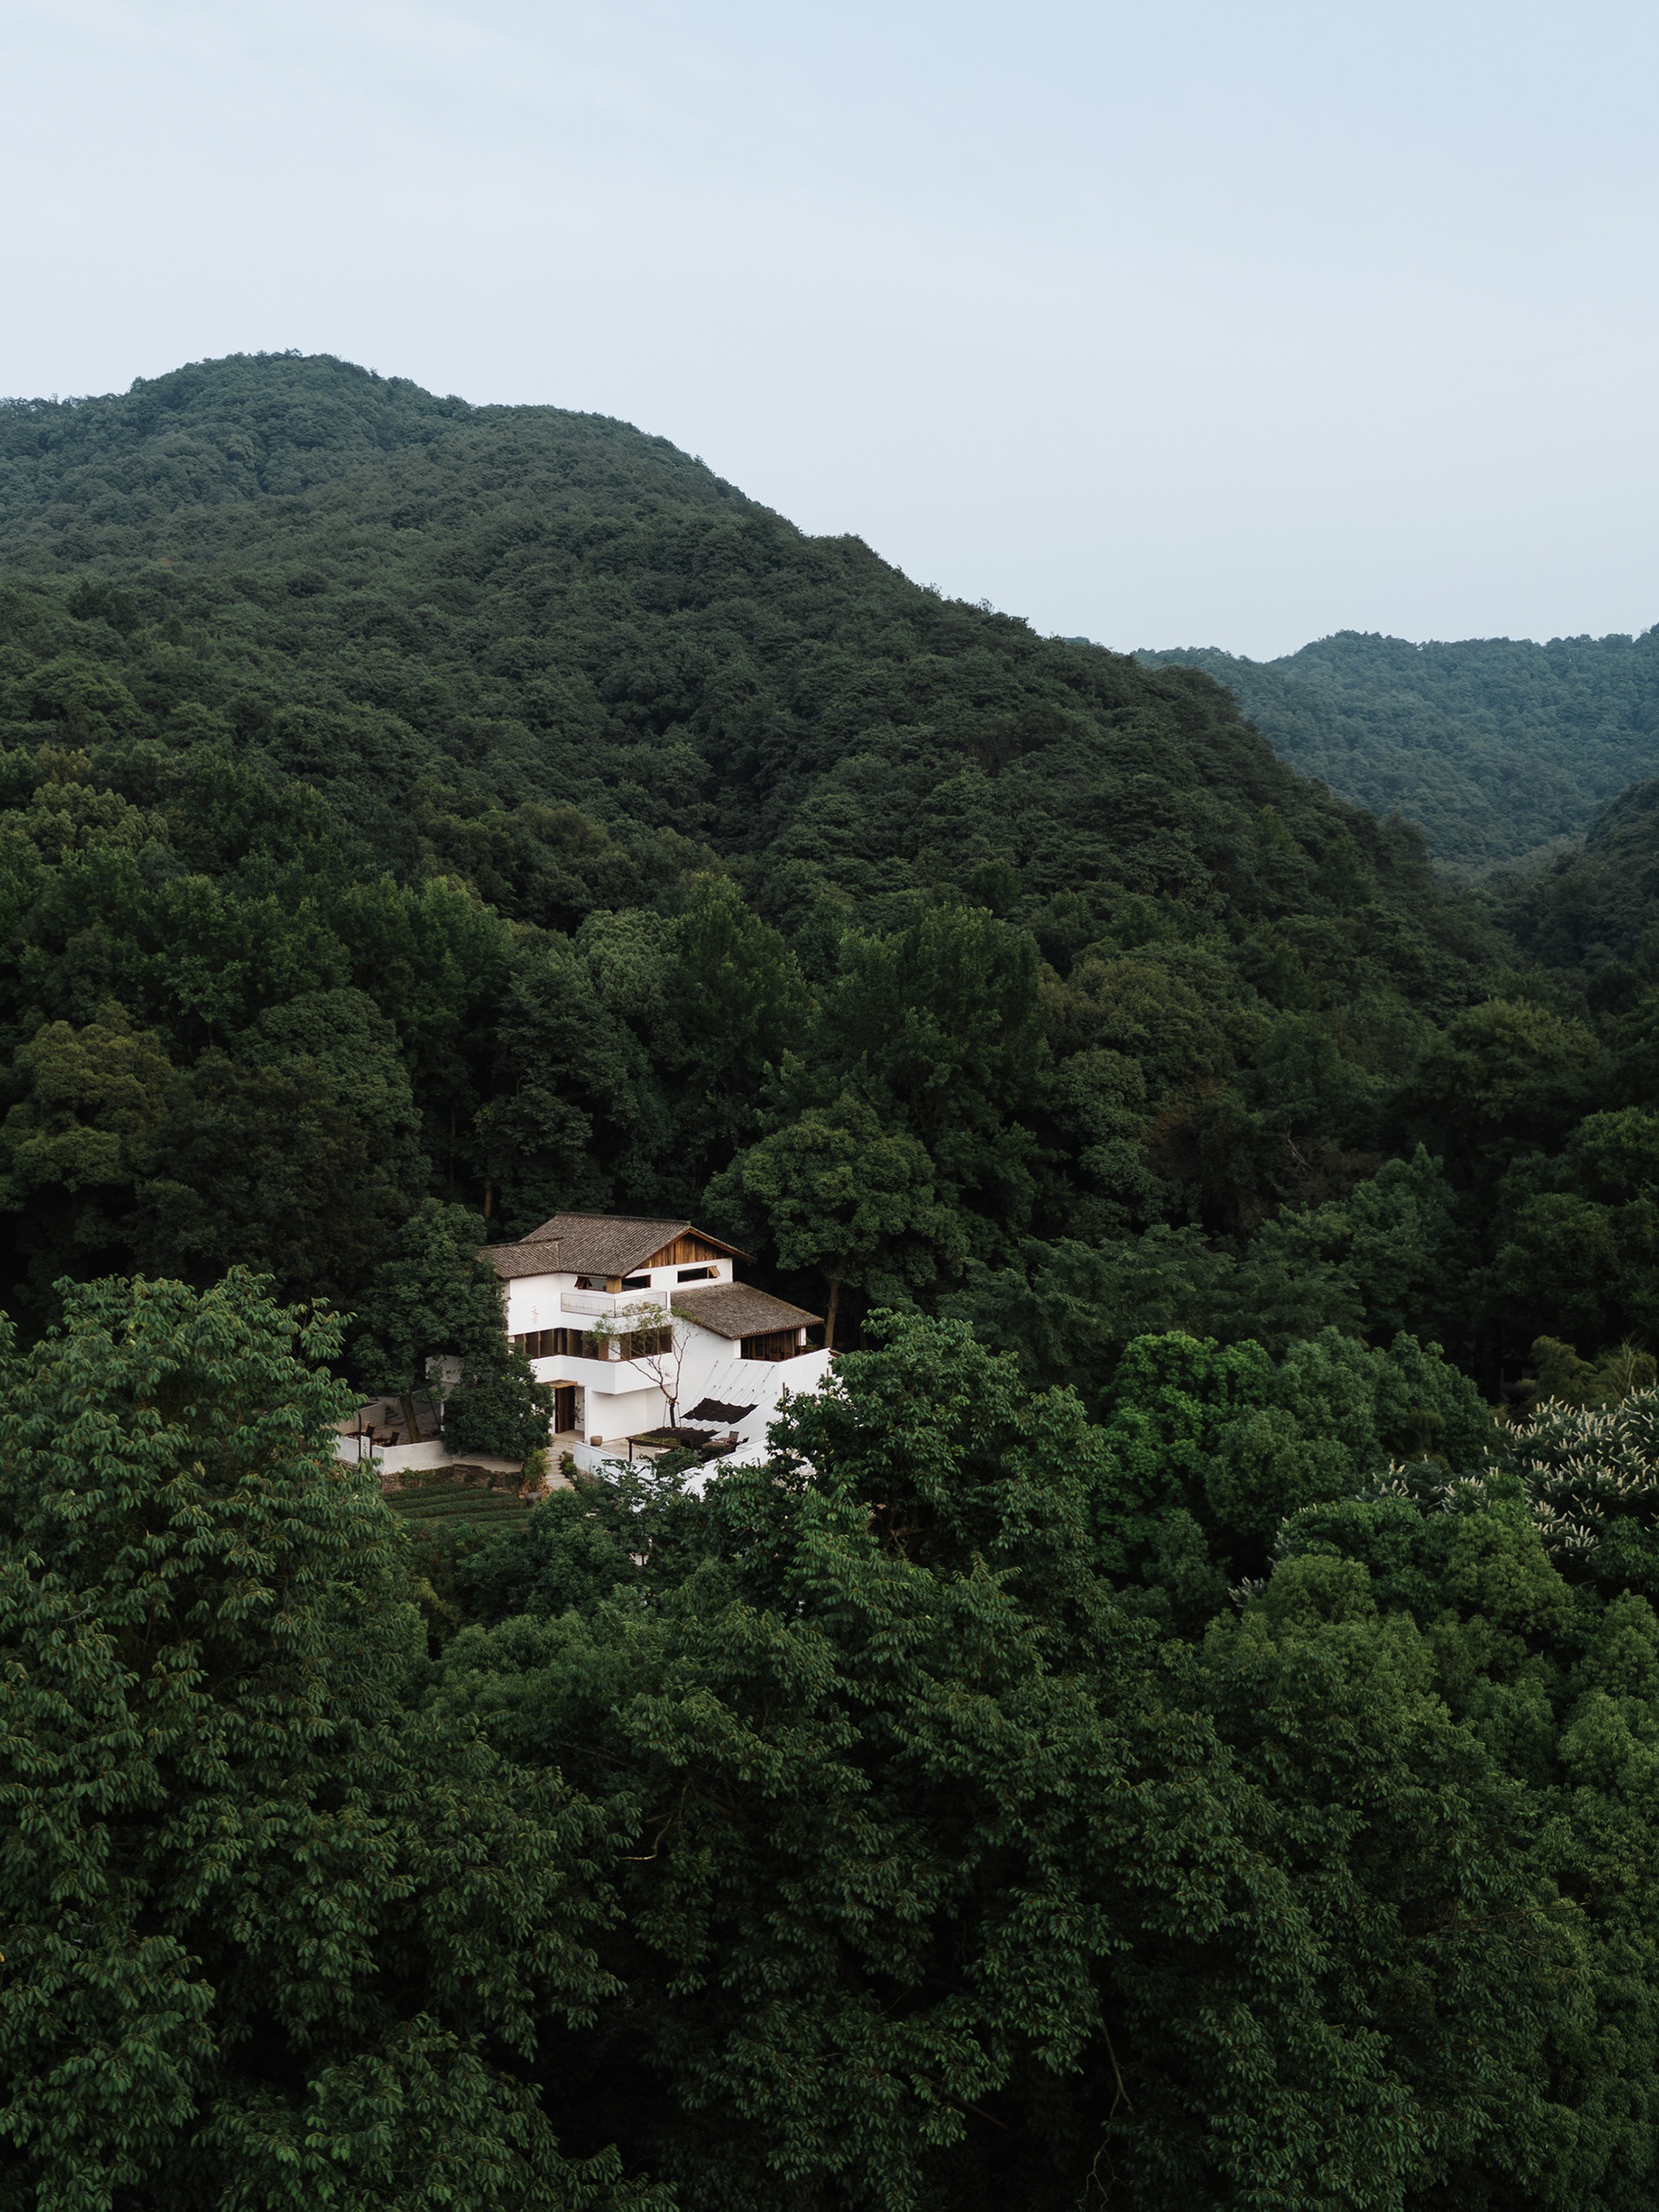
{"type": "Point", "coordinates": [1197, 321]}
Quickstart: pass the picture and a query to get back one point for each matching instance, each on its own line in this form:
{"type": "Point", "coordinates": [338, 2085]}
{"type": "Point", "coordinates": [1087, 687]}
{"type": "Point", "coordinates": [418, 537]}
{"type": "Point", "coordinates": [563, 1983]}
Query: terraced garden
{"type": "Point", "coordinates": [447, 1503]}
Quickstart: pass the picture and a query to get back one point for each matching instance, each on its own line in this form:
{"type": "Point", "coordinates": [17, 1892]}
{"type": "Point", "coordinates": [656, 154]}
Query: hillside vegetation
{"type": "Point", "coordinates": [505, 787]}
{"type": "Point", "coordinates": [1496, 747]}
{"type": "Point", "coordinates": [1594, 913]}
{"type": "Point", "coordinates": [1172, 1722]}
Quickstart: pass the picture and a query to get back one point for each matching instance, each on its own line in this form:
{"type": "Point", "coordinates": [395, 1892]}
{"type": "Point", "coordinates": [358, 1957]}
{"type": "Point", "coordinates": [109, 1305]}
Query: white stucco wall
{"type": "Point", "coordinates": [394, 1459]}
{"type": "Point", "coordinates": [621, 1398]}
{"type": "Point", "coordinates": [536, 1301]}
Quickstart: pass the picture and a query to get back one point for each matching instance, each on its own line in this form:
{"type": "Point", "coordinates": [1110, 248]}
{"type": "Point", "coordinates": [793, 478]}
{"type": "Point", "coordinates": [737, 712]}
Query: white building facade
{"type": "Point", "coordinates": [639, 1325]}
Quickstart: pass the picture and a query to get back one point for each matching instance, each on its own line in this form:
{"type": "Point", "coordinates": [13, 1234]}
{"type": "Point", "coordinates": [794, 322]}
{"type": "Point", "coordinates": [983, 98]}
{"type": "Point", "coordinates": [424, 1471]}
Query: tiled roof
{"type": "Point", "coordinates": [735, 1309]}
{"type": "Point", "coordinates": [510, 1260]}
{"type": "Point", "coordinates": [610, 1243]}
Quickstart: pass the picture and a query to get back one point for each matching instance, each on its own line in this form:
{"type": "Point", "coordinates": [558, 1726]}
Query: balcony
{"type": "Point", "coordinates": [612, 1378]}
{"type": "Point", "coordinates": [601, 1303]}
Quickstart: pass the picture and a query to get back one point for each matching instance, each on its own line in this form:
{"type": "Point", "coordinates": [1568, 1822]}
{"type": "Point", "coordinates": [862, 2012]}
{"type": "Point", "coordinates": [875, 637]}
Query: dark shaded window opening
{"type": "Point", "coordinates": [775, 1343]}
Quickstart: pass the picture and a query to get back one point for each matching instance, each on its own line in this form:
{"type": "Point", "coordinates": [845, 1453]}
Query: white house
{"type": "Point", "coordinates": [636, 1323]}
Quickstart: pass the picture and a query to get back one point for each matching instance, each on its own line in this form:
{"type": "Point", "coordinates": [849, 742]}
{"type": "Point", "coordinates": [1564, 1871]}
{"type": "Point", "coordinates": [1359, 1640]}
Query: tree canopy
{"type": "Point", "coordinates": [1169, 1723]}
{"type": "Point", "coordinates": [912, 1820]}
{"type": "Point", "coordinates": [1496, 747]}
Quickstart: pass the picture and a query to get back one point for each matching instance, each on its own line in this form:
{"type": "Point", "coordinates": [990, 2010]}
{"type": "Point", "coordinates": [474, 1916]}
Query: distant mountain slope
{"type": "Point", "coordinates": [1496, 745]}
{"type": "Point", "coordinates": [450, 613]}
{"type": "Point", "coordinates": [400, 798]}
{"type": "Point", "coordinates": [79, 476]}
{"type": "Point", "coordinates": [1598, 907]}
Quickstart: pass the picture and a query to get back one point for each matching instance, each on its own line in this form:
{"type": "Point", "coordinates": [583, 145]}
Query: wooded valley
{"type": "Point", "coordinates": [1173, 1725]}
{"type": "Point", "coordinates": [1502, 749]}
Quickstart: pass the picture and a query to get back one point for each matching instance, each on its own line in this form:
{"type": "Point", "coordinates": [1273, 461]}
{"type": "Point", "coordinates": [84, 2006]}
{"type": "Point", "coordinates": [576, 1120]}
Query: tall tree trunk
{"type": "Point", "coordinates": [829, 1317]}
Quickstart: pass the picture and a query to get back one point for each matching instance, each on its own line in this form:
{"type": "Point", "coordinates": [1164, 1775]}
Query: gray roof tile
{"type": "Point", "coordinates": [736, 1309]}
{"type": "Point", "coordinates": [607, 1243]}
{"type": "Point", "coordinates": [511, 1260]}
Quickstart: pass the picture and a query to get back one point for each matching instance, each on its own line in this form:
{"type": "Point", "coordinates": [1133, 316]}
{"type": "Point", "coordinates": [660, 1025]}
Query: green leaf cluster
{"type": "Point", "coordinates": [270, 1930]}
{"type": "Point", "coordinates": [1170, 1723]}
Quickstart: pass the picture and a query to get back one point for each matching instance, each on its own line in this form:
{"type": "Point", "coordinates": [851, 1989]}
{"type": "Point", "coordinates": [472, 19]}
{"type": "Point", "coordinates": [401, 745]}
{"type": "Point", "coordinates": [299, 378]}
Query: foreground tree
{"type": "Point", "coordinates": [957, 1886]}
{"type": "Point", "coordinates": [270, 1941]}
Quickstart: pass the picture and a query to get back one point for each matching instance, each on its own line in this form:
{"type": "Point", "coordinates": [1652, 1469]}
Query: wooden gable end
{"type": "Point", "coordinates": [684, 1251]}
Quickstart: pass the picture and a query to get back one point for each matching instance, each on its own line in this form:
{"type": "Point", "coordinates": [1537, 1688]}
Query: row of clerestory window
{"type": "Point", "coordinates": [588, 1344]}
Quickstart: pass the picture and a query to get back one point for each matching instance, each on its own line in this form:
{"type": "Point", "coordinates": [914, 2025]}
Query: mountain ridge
{"type": "Point", "coordinates": [513, 595]}
{"type": "Point", "coordinates": [330, 711]}
{"type": "Point", "coordinates": [1497, 747]}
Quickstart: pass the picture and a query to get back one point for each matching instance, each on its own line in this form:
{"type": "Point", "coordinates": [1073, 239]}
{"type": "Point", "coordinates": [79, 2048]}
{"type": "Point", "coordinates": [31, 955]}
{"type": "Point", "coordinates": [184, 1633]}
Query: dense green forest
{"type": "Point", "coordinates": [1172, 1725]}
{"type": "Point", "coordinates": [1497, 746]}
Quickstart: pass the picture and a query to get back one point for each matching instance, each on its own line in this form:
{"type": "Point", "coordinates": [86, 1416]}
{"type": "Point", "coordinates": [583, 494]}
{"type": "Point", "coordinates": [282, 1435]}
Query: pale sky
{"type": "Point", "coordinates": [1191, 322]}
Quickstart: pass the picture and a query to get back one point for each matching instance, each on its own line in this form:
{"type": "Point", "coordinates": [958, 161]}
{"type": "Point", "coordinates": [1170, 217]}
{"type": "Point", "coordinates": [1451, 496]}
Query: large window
{"type": "Point", "coordinates": [587, 1344]}
{"type": "Point", "coordinates": [559, 1344]}
{"type": "Point", "coordinates": [644, 1343]}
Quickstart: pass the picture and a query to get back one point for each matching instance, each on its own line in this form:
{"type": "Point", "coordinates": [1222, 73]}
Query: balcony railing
{"type": "Point", "coordinates": [600, 1302]}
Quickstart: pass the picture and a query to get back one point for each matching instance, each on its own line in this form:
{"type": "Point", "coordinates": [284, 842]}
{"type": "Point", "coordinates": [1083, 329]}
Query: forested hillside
{"type": "Point", "coordinates": [1172, 1725]}
{"type": "Point", "coordinates": [516, 795]}
{"type": "Point", "coordinates": [1496, 745]}
{"type": "Point", "coordinates": [1593, 912]}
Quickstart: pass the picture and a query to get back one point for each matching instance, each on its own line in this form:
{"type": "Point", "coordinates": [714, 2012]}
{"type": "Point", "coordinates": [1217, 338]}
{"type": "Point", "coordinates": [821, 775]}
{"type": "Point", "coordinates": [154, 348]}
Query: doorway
{"type": "Point", "coordinates": [564, 1408]}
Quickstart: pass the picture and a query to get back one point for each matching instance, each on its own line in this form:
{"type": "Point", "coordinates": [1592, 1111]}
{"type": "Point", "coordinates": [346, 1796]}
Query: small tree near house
{"type": "Point", "coordinates": [649, 1341]}
{"type": "Point", "coordinates": [432, 1315]}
